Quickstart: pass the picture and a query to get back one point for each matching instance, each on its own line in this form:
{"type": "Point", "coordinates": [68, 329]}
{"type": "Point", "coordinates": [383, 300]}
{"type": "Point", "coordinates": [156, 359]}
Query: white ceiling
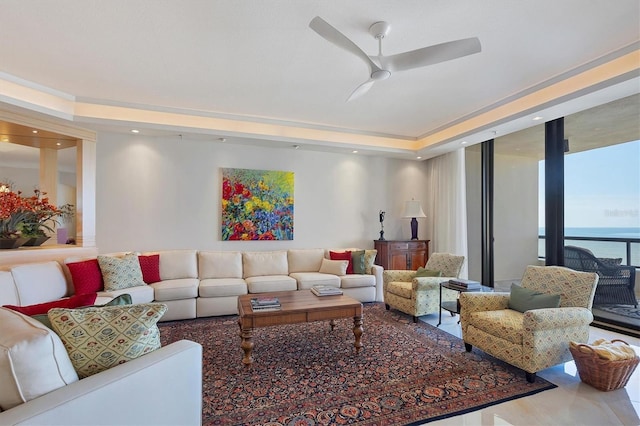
{"type": "Point", "coordinates": [259, 62]}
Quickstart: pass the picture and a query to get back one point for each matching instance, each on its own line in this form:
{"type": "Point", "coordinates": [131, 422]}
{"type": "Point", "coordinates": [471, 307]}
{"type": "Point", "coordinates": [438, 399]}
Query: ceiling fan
{"type": "Point", "coordinates": [381, 67]}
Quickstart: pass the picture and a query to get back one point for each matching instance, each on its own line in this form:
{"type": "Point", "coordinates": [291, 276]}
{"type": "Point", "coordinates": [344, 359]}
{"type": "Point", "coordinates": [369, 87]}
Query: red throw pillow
{"type": "Point", "coordinates": [75, 301]}
{"type": "Point", "coordinates": [150, 266]}
{"type": "Point", "coordinates": [86, 276]}
{"type": "Point", "coordinates": [345, 255]}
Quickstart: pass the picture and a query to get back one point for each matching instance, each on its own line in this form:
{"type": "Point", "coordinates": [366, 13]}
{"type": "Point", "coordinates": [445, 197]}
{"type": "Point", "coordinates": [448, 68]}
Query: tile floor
{"type": "Point", "coordinates": [571, 403]}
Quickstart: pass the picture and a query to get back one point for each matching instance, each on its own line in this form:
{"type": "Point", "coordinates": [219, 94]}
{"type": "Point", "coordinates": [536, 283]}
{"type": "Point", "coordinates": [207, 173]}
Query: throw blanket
{"type": "Point", "coordinates": [613, 351]}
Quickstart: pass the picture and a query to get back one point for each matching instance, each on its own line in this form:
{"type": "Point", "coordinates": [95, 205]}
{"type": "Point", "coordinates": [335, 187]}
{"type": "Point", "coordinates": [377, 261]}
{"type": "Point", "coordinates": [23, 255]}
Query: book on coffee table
{"type": "Point", "coordinates": [265, 304]}
{"type": "Point", "coordinates": [325, 290]}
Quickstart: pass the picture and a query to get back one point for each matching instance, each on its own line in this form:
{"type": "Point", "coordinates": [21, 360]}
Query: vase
{"type": "Point", "coordinates": [12, 243]}
{"type": "Point", "coordinates": [36, 241]}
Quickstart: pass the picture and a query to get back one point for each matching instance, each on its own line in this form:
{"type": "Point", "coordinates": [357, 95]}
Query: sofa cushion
{"type": "Point", "coordinates": [221, 287]}
{"type": "Point", "coordinates": [33, 360]}
{"type": "Point", "coordinates": [176, 264]}
{"type": "Point", "coordinates": [42, 308]}
{"type": "Point", "coordinates": [305, 260]}
{"type": "Point", "coordinates": [357, 259]}
{"type": "Point", "coordinates": [100, 338]}
{"type": "Point", "coordinates": [219, 264]}
{"type": "Point", "coordinates": [345, 255]}
{"type": "Point", "coordinates": [506, 323]}
{"type": "Point", "coordinates": [86, 276]}
{"type": "Point", "coordinates": [39, 282]}
{"type": "Point", "coordinates": [120, 273]}
{"type": "Point", "coordinates": [140, 294]}
{"type": "Point", "coordinates": [524, 299]}
{"type": "Point", "coordinates": [150, 266]}
{"type": "Point", "coordinates": [267, 283]}
{"type": "Point", "coordinates": [261, 263]}
{"type": "Point", "coordinates": [184, 288]}
{"type": "Point", "coordinates": [335, 267]}
{"type": "Point", "coordinates": [8, 292]}
{"type": "Point", "coordinates": [401, 288]}
{"type": "Point", "coordinates": [357, 280]}
{"type": "Point", "coordinates": [306, 280]}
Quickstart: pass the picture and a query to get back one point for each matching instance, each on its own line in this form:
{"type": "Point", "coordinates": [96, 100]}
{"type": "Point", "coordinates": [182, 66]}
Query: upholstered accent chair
{"type": "Point", "coordinates": [535, 339]}
{"type": "Point", "coordinates": [617, 282]}
{"type": "Point", "coordinates": [419, 296]}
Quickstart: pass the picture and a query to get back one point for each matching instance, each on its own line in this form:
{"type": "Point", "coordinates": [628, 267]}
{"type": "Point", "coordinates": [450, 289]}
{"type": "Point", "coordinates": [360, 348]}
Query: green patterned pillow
{"type": "Point", "coordinates": [424, 272]}
{"type": "Point", "coordinates": [97, 339]}
{"type": "Point", "coordinates": [369, 259]}
{"type": "Point", "coordinates": [120, 273]}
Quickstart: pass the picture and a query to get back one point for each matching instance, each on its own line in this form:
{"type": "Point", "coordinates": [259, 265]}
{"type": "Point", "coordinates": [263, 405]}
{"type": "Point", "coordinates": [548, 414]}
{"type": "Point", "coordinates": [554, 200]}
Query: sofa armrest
{"type": "Point", "coordinates": [391, 275]}
{"type": "Point", "coordinates": [377, 271]}
{"type": "Point", "coordinates": [429, 283]}
{"type": "Point", "coordinates": [551, 318]}
{"type": "Point", "coordinates": [163, 387]}
{"type": "Point", "coordinates": [471, 302]}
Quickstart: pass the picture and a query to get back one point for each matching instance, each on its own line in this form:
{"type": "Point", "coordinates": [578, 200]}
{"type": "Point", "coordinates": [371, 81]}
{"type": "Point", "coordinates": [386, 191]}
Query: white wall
{"type": "Point", "coordinates": [164, 193]}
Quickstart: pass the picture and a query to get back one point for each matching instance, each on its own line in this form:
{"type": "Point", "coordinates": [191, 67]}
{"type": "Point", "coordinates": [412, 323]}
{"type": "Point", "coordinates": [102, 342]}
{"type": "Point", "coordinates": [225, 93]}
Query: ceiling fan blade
{"type": "Point", "coordinates": [431, 55]}
{"type": "Point", "coordinates": [361, 90]}
{"type": "Point", "coordinates": [329, 33]}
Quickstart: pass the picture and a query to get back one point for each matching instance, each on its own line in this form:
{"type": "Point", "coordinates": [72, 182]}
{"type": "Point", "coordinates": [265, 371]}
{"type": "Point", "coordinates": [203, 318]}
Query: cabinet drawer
{"type": "Point", "coordinates": [399, 246]}
{"type": "Point", "coordinates": [417, 245]}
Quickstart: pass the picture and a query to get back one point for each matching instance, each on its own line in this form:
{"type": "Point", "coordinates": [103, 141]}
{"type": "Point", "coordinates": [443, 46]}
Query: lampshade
{"type": "Point", "coordinates": [413, 209]}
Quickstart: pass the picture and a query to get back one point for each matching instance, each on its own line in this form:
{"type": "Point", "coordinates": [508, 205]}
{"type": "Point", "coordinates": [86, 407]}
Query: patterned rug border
{"type": "Point", "coordinates": [450, 365]}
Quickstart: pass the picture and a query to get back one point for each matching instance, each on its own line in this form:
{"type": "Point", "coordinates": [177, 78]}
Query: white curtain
{"type": "Point", "coordinates": [447, 205]}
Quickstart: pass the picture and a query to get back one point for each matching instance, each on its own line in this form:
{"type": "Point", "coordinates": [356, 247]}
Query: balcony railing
{"type": "Point", "coordinates": [626, 248]}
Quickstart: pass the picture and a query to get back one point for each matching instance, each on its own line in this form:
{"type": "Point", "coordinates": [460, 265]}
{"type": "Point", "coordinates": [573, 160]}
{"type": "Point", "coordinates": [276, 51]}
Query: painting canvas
{"type": "Point", "coordinates": [257, 205]}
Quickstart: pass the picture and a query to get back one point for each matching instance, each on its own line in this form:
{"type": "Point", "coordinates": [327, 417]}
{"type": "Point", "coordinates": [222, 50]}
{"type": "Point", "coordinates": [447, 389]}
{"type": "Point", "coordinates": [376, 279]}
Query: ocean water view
{"type": "Point", "coordinates": [615, 249]}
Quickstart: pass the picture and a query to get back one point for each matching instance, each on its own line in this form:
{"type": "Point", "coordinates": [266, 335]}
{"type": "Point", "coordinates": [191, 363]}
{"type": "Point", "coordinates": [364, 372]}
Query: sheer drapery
{"type": "Point", "coordinates": [447, 205]}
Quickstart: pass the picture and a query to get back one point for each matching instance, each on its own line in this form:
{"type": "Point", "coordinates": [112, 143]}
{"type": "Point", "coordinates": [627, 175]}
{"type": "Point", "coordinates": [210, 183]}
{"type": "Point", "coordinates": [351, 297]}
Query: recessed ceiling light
{"type": "Point", "coordinates": [463, 143]}
{"type": "Point", "coordinates": [296, 146]}
{"type": "Point", "coordinates": [34, 131]}
{"type": "Point", "coordinates": [135, 131]}
{"type": "Point", "coordinates": [418, 158]}
{"type": "Point", "coordinates": [537, 117]}
{"type": "Point", "coordinates": [58, 144]}
{"type": "Point", "coordinates": [354, 151]}
{"type": "Point", "coordinates": [222, 139]}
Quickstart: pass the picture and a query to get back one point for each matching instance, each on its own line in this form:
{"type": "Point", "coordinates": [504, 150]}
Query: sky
{"type": "Point", "coordinates": [602, 188]}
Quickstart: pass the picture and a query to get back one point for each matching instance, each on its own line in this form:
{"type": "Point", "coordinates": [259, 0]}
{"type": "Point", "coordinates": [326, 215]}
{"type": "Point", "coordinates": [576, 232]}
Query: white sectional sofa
{"type": "Point", "coordinates": [199, 283]}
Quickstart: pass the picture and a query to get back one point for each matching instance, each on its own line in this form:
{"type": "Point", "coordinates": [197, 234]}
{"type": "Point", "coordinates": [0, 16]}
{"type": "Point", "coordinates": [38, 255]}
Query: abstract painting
{"type": "Point", "coordinates": [257, 205]}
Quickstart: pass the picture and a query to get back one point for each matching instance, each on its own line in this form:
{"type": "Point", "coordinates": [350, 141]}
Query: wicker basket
{"type": "Point", "coordinates": [601, 373]}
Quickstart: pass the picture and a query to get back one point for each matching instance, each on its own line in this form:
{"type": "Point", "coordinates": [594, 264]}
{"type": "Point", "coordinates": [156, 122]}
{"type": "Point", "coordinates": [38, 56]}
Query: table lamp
{"type": "Point", "coordinates": [413, 209]}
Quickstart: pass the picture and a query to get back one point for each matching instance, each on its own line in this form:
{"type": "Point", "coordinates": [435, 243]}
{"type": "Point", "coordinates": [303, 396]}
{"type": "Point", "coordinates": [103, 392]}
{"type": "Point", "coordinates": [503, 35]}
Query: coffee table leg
{"type": "Point", "coordinates": [357, 332]}
{"type": "Point", "coordinates": [247, 345]}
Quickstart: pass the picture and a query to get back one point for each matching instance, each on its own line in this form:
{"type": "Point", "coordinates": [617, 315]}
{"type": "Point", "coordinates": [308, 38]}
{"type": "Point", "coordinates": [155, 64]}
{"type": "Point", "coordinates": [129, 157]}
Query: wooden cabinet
{"type": "Point", "coordinates": [402, 254]}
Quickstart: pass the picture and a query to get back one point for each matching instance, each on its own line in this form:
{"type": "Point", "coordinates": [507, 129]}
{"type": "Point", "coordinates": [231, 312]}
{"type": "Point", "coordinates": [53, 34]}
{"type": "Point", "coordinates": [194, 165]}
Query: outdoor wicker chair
{"type": "Point", "coordinates": [617, 282]}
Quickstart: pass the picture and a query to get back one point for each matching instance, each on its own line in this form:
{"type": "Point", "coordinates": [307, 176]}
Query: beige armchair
{"type": "Point", "coordinates": [420, 296]}
{"type": "Point", "coordinates": [538, 338]}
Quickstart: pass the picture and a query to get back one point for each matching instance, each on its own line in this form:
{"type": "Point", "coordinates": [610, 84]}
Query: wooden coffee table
{"type": "Point", "coordinates": [296, 307]}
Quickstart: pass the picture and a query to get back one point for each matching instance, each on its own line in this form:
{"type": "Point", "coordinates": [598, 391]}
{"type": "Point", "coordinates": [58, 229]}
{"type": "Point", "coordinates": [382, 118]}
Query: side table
{"type": "Point", "coordinates": [454, 307]}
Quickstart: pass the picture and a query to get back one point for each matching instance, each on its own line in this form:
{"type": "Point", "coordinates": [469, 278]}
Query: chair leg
{"type": "Point", "coordinates": [415, 319]}
{"type": "Point", "coordinates": [386, 306]}
{"type": "Point", "coordinates": [531, 377]}
{"type": "Point", "coordinates": [467, 347]}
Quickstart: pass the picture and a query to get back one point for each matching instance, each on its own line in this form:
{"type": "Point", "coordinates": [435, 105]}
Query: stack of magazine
{"type": "Point", "coordinates": [265, 304]}
{"type": "Point", "coordinates": [462, 284]}
{"type": "Point", "coordinates": [325, 290]}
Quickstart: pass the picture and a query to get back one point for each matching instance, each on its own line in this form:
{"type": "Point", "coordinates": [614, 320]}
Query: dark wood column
{"type": "Point", "coordinates": [554, 191]}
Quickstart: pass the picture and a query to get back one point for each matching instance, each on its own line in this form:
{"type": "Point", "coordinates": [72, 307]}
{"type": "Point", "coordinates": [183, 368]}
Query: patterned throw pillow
{"type": "Point", "coordinates": [120, 273]}
{"type": "Point", "coordinates": [369, 260]}
{"type": "Point", "coordinates": [99, 338]}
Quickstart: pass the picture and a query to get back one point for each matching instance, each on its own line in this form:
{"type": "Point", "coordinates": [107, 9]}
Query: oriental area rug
{"type": "Point", "coordinates": [305, 374]}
